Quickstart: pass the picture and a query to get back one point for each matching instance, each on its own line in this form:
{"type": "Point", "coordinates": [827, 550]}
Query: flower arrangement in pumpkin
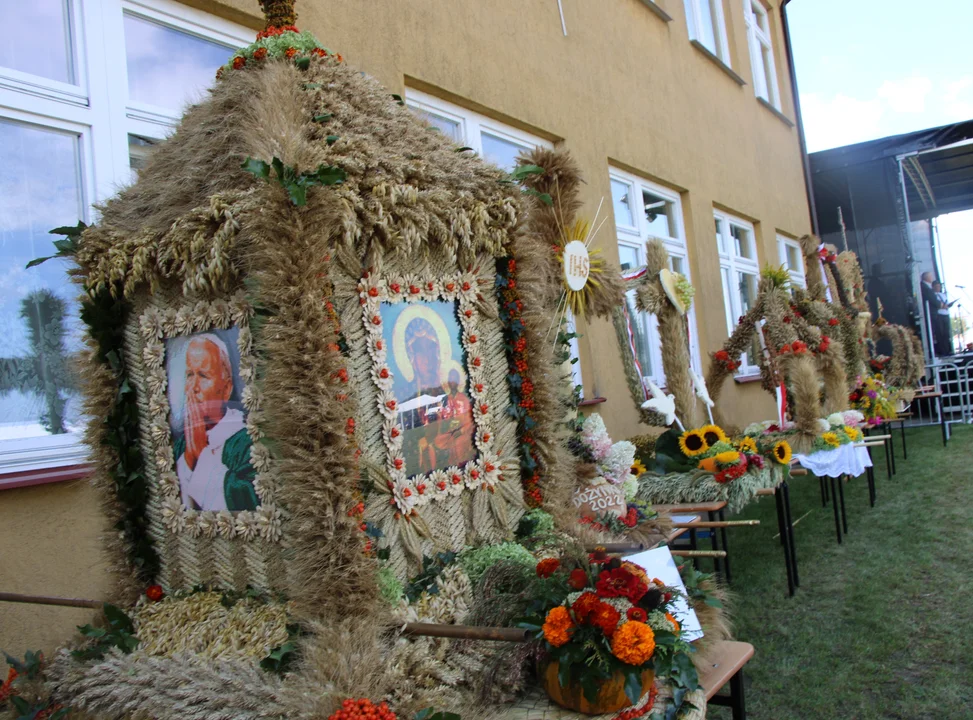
{"type": "Point", "coordinates": [603, 617]}
{"type": "Point", "coordinates": [873, 398]}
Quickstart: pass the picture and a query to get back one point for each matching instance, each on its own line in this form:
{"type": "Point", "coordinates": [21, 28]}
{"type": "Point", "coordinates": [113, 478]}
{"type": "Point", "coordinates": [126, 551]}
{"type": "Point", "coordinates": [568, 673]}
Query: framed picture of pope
{"type": "Point", "coordinates": [210, 441]}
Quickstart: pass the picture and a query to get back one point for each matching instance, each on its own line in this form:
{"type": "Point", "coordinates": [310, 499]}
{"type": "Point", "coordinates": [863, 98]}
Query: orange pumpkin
{"type": "Point", "coordinates": [611, 695]}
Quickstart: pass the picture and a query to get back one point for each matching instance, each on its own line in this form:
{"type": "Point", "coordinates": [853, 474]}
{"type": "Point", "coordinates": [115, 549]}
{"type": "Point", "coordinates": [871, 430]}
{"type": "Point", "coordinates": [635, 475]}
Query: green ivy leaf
{"type": "Point", "coordinates": [633, 685]}
{"type": "Point", "coordinates": [256, 167]}
{"type": "Point", "coordinates": [303, 63]}
{"type": "Point", "coordinates": [543, 197]}
{"type": "Point", "coordinates": [564, 673]}
{"type": "Point", "coordinates": [713, 602]}
{"type": "Point", "coordinates": [91, 631]}
{"type": "Point", "coordinates": [38, 261]}
{"type": "Point", "coordinates": [323, 117]}
{"type": "Point", "coordinates": [331, 139]}
{"type": "Point", "coordinates": [298, 194]}
{"type": "Point", "coordinates": [463, 149]}
{"type": "Point", "coordinates": [23, 707]}
{"type": "Point", "coordinates": [523, 171]}
{"type": "Point", "coordinates": [313, 86]}
{"type": "Point", "coordinates": [398, 99]}
{"type": "Point", "coordinates": [329, 175]}
{"type": "Point", "coordinates": [423, 714]}
{"type": "Point", "coordinates": [117, 619]}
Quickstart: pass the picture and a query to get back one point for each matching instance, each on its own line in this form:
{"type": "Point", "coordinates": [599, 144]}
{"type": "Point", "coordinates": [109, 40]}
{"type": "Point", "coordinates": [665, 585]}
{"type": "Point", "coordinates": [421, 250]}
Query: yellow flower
{"type": "Point", "coordinates": [853, 433]}
{"type": "Point", "coordinates": [692, 443]}
{"type": "Point", "coordinates": [638, 468]}
{"type": "Point", "coordinates": [747, 445]}
{"type": "Point", "coordinates": [782, 452]}
{"type": "Point", "coordinates": [730, 457]}
{"type": "Point", "coordinates": [831, 439]}
{"type": "Point", "coordinates": [713, 434]}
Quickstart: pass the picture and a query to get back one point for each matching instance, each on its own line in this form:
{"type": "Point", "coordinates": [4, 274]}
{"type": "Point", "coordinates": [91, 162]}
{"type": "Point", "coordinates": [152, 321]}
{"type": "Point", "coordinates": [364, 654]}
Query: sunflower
{"type": "Point", "coordinates": [747, 445]}
{"type": "Point", "coordinates": [730, 457]}
{"type": "Point", "coordinates": [831, 439]}
{"type": "Point", "coordinates": [713, 434]}
{"type": "Point", "coordinates": [638, 468]}
{"type": "Point", "coordinates": [692, 443]}
{"type": "Point", "coordinates": [853, 433]}
{"type": "Point", "coordinates": [782, 452]}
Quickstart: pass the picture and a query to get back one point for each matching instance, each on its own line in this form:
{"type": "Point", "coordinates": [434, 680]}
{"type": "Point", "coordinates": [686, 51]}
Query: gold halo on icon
{"type": "Point", "coordinates": [403, 366]}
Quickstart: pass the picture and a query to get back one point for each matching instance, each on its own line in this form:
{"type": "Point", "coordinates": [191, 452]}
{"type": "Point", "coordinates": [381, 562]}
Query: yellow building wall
{"type": "Point", "coordinates": [623, 88]}
{"type": "Point", "coordinates": [48, 546]}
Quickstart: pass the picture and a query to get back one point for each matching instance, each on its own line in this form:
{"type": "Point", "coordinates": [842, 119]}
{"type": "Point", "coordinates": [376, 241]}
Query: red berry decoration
{"type": "Point", "coordinates": [154, 593]}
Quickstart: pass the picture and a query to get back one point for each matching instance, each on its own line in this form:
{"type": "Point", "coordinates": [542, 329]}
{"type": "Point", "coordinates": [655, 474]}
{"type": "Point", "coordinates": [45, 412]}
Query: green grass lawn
{"type": "Point", "coordinates": [881, 626]}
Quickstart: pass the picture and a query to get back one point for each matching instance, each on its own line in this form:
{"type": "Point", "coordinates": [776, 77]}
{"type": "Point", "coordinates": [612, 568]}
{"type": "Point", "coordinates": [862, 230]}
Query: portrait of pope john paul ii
{"type": "Point", "coordinates": [208, 422]}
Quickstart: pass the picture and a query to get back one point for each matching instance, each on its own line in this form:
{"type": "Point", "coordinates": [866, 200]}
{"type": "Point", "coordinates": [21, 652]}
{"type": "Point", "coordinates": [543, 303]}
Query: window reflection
{"type": "Point", "coordinates": [450, 128]}
{"type": "Point", "coordinates": [37, 38]}
{"type": "Point", "coordinates": [501, 152]}
{"type": "Point", "coordinates": [622, 204]}
{"type": "Point", "coordinates": [640, 334]}
{"type": "Point", "coordinates": [40, 188]}
{"type": "Point", "coordinates": [168, 67]}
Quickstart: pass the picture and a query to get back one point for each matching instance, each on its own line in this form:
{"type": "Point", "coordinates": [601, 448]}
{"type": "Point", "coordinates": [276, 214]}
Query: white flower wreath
{"type": "Point", "coordinates": [485, 470]}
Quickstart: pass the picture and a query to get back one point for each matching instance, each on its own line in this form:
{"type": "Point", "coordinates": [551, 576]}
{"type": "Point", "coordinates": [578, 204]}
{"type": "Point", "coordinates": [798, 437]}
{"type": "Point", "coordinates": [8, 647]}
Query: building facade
{"type": "Point", "coordinates": [680, 115]}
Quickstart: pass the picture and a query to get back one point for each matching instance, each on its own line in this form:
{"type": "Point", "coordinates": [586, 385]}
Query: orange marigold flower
{"type": "Point", "coordinates": [633, 643]}
{"type": "Point", "coordinates": [291, 52]}
{"type": "Point", "coordinates": [319, 52]}
{"type": "Point", "coordinates": [260, 53]}
{"type": "Point", "coordinates": [238, 62]}
{"type": "Point", "coordinates": [585, 605]}
{"type": "Point", "coordinates": [675, 623]}
{"type": "Point", "coordinates": [605, 618]}
{"type": "Point", "coordinates": [557, 627]}
{"type": "Point", "coordinates": [547, 567]}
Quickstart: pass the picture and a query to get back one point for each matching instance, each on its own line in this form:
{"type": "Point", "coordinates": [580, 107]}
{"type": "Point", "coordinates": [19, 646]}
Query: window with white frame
{"type": "Point", "coordinates": [707, 25]}
{"type": "Point", "coordinates": [494, 141]}
{"type": "Point", "coordinates": [761, 52]}
{"type": "Point", "coordinates": [740, 273]}
{"type": "Point", "coordinates": [77, 114]}
{"type": "Point", "coordinates": [792, 259]}
{"type": "Point", "coordinates": [645, 211]}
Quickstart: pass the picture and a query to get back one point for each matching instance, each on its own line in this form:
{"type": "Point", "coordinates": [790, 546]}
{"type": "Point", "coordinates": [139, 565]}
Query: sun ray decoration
{"type": "Point", "coordinates": [583, 232]}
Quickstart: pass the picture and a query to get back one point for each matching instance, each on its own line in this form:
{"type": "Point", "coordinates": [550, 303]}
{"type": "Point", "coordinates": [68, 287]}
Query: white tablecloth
{"type": "Point", "coordinates": [845, 460]}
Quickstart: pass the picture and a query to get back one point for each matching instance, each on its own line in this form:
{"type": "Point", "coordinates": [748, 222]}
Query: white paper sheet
{"type": "Point", "coordinates": [683, 519]}
{"type": "Point", "coordinates": [660, 564]}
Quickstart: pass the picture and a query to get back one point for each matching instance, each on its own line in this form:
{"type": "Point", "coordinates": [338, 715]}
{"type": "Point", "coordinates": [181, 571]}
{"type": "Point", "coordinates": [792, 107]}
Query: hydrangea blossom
{"type": "Point", "coordinates": [852, 418]}
{"type": "Point", "coordinates": [630, 487]}
{"type": "Point", "coordinates": [836, 419]}
{"type": "Point", "coordinates": [595, 436]}
{"type": "Point", "coordinates": [617, 466]}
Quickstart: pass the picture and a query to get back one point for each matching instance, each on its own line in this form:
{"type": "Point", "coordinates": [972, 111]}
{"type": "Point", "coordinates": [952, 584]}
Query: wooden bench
{"type": "Point", "coordinates": [726, 661]}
